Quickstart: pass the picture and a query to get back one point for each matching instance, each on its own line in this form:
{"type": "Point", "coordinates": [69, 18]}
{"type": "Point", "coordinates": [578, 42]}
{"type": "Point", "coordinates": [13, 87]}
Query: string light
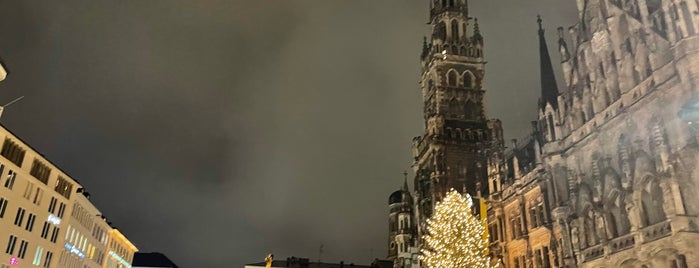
{"type": "Point", "coordinates": [455, 237]}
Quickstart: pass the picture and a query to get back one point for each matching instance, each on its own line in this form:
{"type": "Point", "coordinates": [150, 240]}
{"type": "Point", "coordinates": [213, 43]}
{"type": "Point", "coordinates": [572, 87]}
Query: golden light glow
{"type": "Point", "coordinates": [456, 238]}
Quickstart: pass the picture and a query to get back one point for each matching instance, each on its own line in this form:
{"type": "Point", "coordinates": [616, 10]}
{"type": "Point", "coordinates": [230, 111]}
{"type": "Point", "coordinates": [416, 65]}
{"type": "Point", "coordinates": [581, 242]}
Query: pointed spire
{"type": "Point", "coordinates": [477, 37]}
{"type": "Point", "coordinates": [549, 89]}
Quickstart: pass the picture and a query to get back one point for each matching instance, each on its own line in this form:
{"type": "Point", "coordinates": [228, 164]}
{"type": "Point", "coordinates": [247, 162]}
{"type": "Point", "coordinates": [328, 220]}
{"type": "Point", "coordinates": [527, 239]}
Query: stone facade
{"type": "Point", "coordinates": [609, 176]}
{"type": "Point", "coordinates": [459, 138]}
{"type": "Point", "coordinates": [615, 164]}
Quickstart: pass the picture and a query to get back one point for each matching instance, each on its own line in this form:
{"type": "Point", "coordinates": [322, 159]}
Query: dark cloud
{"type": "Point", "coordinates": [219, 131]}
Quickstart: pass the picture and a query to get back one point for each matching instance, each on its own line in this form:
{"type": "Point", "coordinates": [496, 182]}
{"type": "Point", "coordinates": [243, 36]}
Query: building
{"type": "Point", "coordinates": [519, 218]}
{"type": "Point", "coordinates": [621, 158]}
{"type": "Point", "coordinates": [294, 262]}
{"type": "Point", "coordinates": [459, 138]}
{"type": "Point", "coordinates": [120, 250]}
{"type": "Point", "coordinates": [86, 235]}
{"type": "Point", "coordinates": [152, 260]}
{"type": "Point", "coordinates": [35, 198]}
{"type": "Point", "coordinates": [46, 217]}
{"type": "Point", "coordinates": [609, 175]}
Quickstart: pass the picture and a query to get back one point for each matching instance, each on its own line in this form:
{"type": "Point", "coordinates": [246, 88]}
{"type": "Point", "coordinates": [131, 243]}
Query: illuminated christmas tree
{"type": "Point", "coordinates": [456, 238]}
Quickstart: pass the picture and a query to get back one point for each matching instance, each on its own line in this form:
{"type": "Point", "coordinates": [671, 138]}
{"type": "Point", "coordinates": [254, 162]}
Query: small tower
{"type": "Point", "coordinates": [549, 89]}
{"type": "Point", "coordinates": [401, 223]}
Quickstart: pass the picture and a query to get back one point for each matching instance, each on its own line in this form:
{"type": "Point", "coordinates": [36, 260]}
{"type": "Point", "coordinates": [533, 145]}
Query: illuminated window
{"type": "Point", "coordinates": [10, 182]}
{"type": "Point", "coordinates": [63, 187]}
{"type": "Point", "coordinates": [37, 256]}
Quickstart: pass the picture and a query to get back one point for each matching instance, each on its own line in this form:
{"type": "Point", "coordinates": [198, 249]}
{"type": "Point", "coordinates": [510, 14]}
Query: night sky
{"type": "Point", "coordinates": [219, 131]}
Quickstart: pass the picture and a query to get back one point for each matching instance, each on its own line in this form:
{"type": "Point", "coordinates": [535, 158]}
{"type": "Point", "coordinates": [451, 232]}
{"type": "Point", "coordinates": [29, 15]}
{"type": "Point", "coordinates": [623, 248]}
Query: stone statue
{"type": "Point", "coordinates": [268, 260]}
{"type": "Point", "coordinates": [601, 226]}
{"type": "Point", "coordinates": [574, 237]}
{"type": "Point", "coordinates": [439, 124]}
{"type": "Point", "coordinates": [590, 229]}
{"type": "Point", "coordinates": [632, 212]}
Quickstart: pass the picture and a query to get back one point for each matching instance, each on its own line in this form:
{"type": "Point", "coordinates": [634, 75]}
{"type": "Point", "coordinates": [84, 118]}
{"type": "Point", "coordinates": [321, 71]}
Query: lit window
{"type": "Point", "coordinates": [37, 256]}
{"type": "Point", "coordinates": [10, 182]}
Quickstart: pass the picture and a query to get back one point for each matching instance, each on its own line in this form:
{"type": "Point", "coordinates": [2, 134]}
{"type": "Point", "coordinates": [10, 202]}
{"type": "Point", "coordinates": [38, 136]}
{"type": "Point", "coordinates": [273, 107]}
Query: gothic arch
{"type": "Point", "coordinates": [643, 165]}
{"type": "Point", "coordinates": [614, 206]}
{"type": "Point", "coordinates": [584, 198]}
{"type": "Point", "coordinates": [452, 78]}
{"type": "Point", "coordinates": [652, 201]}
{"type": "Point", "coordinates": [440, 31]}
{"type": "Point", "coordinates": [560, 180]}
{"type": "Point", "coordinates": [454, 31]}
{"type": "Point", "coordinates": [468, 79]}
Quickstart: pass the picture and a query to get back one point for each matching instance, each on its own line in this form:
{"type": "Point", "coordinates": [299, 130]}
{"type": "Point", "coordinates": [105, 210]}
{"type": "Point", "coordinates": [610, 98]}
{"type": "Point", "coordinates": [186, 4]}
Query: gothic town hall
{"type": "Point", "coordinates": [608, 177]}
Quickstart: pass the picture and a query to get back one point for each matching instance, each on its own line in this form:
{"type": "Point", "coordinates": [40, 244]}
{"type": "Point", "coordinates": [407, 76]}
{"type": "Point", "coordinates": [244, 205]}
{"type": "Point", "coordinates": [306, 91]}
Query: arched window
{"type": "Point", "coordinates": [468, 80]}
{"type": "Point", "coordinates": [441, 30]}
{"type": "Point", "coordinates": [454, 31]}
{"type": "Point", "coordinates": [451, 78]}
{"type": "Point", "coordinates": [451, 3]}
{"type": "Point", "coordinates": [444, 3]}
{"type": "Point", "coordinates": [652, 203]}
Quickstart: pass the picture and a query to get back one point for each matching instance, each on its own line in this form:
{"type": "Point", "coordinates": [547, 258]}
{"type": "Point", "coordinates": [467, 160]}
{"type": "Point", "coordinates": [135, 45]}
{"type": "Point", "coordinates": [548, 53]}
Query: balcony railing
{"type": "Point", "coordinates": [656, 231]}
{"type": "Point", "coordinates": [593, 253]}
{"type": "Point", "coordinates": [621, 243]}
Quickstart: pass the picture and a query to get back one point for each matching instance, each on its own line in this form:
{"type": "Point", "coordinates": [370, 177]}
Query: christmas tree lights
{"type": "Point", "coordinates": [456, 238]}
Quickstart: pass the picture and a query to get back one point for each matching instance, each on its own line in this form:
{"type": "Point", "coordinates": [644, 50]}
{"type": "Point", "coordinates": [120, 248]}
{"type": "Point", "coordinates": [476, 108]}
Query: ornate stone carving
{"type": "Point", "coordinates": [632, 212]}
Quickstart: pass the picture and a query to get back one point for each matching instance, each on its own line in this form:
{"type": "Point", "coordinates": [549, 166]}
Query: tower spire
{"type": "Point", "coordinates": [549, 89]}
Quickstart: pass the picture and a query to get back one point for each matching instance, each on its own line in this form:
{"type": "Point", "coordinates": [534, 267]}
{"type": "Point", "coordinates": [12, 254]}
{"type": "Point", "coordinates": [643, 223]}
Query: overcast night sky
{"type": "Point", "coordinates": [219, 131]}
